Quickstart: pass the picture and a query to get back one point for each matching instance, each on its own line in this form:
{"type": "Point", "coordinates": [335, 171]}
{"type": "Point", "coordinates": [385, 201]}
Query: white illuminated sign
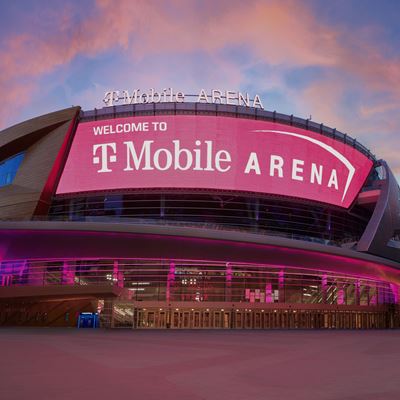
{"type": "Point", "coordinates": [168, 95]}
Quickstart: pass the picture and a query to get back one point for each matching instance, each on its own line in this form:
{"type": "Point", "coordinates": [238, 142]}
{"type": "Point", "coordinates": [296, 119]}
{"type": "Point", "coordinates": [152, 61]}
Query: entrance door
{"type": "Point", "coordinates": [267, 320]}
{"type": "Point", "coordinates": [206, 319]}
{"type": "Point", "coordinates": [197, 319]}
{"type": "Point", "coordinates": [227, 319]}
{"type": "Point", "coordinates": [248, 320]}
{"type": "Point", "coordinates": [185, 315]}
{"type": "Point", "coordinates": [216, 319]}
{"type": "Point", "coordinates": [239, 320]}
{"type": "Point", "coordinates": [161, 320]}
{"type": "Point", "coordinates": [151, 320]}
{"type": "Point", "coordinates": [175, 320]}
{"type": "Point", "coordinates": [257, 320]}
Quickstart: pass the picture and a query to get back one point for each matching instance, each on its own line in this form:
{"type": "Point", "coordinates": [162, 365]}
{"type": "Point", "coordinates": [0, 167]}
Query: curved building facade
{"type": "Point", "coordinates": [193, 215]}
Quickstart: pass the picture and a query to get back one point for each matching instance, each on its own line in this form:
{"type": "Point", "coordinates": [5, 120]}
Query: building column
{"type": "Point", "coordinates": [395, 292]}
{"type": "Point", "coordinates": [373, 299]}
{"type": "Point", "coordinates": [68, 273]}
{"type": "Point", "coordinates": [357, 293]}
{"type": "Point", "coordinates": [281, 286]}
{"type": "Point", "coordinates": [268, 293]}
{"type": "Point", "coordinates": [380, 295]}
{"type": "Point", "coordinates": [170, 280]}
{"type": "Point", "coordinates": [324, 288]}
{"type": "Point", "coordinates": [228, 288]}
{"type": "Point", "coordinates": [118, 276]}
{"type": "Point", "coordinates": [340, 294]}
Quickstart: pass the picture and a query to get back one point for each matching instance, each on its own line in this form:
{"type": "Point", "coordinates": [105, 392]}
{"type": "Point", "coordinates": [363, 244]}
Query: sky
{"type": "Point", "coordinates": [337, 61]}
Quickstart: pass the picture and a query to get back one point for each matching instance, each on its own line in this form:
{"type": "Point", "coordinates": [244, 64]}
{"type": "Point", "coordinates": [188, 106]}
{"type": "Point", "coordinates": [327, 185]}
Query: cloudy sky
{"type": "Point", "coordinates": [338, 61]}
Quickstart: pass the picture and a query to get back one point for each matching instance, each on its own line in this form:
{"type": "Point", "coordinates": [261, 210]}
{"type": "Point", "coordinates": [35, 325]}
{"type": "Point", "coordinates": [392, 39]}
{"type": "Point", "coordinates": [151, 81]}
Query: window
{"type": "Point", "coordinates": [8, 169]}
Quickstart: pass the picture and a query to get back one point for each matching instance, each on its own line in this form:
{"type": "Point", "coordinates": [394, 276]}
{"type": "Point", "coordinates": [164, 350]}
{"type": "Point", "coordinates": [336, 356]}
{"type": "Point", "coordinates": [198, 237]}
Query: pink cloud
{"type": "Point", "coordinates": [371, 110]}
{"type": "Point", "coordinates": [277, 32]}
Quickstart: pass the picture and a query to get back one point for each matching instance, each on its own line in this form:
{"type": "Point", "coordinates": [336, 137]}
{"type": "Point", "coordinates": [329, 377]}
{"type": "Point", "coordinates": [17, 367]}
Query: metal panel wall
{"type": "Point", "coordinates": [41, 138]}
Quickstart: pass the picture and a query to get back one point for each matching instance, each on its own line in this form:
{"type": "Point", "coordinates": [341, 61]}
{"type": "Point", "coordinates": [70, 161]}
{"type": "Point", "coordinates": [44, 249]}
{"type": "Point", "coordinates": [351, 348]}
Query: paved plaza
{"type": "Point", "coordinates": [61, 364]}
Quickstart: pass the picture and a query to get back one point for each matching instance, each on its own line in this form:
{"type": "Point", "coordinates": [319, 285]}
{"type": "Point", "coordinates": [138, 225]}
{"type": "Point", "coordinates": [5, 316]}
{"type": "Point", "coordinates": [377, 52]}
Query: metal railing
{"type": "Point", "coordinates": [222, 110]}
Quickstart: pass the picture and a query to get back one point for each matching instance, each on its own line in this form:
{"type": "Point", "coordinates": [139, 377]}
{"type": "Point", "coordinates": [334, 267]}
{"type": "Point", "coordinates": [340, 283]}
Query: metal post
{"type": "Point", "coordinates": [118, 276]}
{"type": "Point", "coordinates": [170, 280]}
{"type": "Point", "coordinates": [281, 286]}
{"type": "Point", "coordinates": [228, 272]}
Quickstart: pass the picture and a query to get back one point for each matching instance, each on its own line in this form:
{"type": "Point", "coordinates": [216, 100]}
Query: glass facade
{"type": "Point", "coordinates": [201, 281]}
{"type": "Point", "coordinates": [9, 168]}
{"type": "Point", "coordinates": [198, 294]}
{"type": "Point", "coordinates": [263, 215]}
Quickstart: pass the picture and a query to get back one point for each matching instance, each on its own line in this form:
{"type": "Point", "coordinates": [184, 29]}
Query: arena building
{"type": "Point", "coordinates": [176, 214]}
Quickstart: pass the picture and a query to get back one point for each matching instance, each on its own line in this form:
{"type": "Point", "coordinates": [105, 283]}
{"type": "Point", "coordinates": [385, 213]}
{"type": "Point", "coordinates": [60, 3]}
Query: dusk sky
{"type": "Point", "coordinates": [338, 61]}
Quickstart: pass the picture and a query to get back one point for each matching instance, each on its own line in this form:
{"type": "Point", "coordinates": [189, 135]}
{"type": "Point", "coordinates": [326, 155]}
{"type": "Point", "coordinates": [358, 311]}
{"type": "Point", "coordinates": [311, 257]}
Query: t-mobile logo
{"type": "Point", "coordinates": [105, 157]}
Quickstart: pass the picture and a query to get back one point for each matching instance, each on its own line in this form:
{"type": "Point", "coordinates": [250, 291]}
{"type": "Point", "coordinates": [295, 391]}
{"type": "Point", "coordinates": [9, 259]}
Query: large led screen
{"type": "Point", "coordinates": [207, 152]}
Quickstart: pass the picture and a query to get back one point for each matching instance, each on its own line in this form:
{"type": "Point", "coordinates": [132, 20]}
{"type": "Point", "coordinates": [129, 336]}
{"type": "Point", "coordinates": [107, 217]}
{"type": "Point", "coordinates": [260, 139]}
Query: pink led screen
{"type": "Point", "coordinates": [207, 152]}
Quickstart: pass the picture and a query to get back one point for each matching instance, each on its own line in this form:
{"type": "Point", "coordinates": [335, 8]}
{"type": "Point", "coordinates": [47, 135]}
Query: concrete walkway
{"type": "Point", "coordinates": [71, 364]}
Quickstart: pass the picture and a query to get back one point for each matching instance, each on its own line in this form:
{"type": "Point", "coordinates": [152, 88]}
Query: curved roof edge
{"type": "Point", "coordinates": [222, 110]}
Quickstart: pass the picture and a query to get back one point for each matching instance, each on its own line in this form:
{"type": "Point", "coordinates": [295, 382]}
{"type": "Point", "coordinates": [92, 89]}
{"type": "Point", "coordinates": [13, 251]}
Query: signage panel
{"type": "Point", "coordinates": [207, 152]}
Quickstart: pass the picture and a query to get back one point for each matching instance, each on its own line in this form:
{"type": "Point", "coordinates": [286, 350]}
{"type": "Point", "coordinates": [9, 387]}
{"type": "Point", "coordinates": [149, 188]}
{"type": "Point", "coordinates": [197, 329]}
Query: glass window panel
{"type": "Point", "coordinates": [9, 168]}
